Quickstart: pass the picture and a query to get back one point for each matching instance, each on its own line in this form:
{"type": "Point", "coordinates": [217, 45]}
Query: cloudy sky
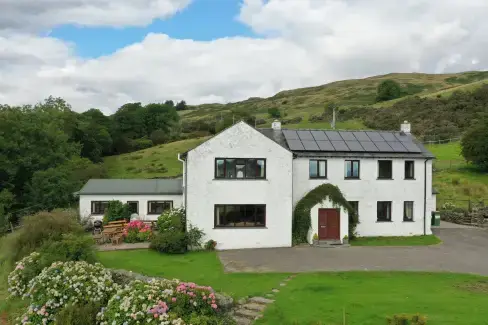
{"type": "Point", "coordinates": [104, 53]}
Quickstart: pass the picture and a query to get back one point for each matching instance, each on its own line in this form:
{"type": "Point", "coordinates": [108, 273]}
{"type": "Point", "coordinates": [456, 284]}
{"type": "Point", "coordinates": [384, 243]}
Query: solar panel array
{"type": "Point", "coordinates": [349, 141]}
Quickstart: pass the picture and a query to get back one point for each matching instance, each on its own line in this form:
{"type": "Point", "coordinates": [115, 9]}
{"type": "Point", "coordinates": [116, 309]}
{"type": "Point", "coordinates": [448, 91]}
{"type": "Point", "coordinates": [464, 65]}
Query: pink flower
{"type": "Point", "coordinates": [155, 315]}
{"type": "Point", "coordinates": [214, 306]}
{"type": "Point", "coordinates": [173, 299]}
{"type": "Point", "coordinates": [204, 297]}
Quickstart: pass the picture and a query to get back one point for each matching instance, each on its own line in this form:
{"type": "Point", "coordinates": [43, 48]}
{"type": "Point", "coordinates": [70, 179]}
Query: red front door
{"type": "Point", "coordinates": [329, 224]}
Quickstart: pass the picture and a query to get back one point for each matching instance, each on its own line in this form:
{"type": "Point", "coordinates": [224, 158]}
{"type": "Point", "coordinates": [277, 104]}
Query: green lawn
{"type": "Point", "coordinates": [369, 297]}
{"type": "Point", "coordinates": [200, 267]}
{"type": "Point", "coordinates": [396, 241]}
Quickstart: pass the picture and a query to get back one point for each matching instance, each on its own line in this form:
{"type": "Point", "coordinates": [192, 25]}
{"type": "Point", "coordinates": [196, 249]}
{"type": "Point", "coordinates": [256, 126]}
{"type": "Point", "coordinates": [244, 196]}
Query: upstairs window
{"type": "Point", "coordinates": [98, 207]}
{"type": "Point", "coordinates": [385, 170]}
{"type": "Point", "coordinates": [409, 169]}
{"type": "Point", "coordinates": [408, 211]}
{"type": "Point", "coordinates": [384, 211]}
{"type": "Point", "coordinates": [318, 168]}
{"type": "Point", "coordinates": [158, 207]}
{"type": "Point", "coordinates": [240, 168]}
{"type": "Point", "coordinates": [352, 169]}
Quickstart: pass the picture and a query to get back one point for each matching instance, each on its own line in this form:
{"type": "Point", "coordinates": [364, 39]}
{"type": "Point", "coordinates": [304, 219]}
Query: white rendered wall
{"type": "Point", "coordinates": [204, 192]}
{"type": "Point", "coordinates": [85, 203]}
{"type": "Point", "coordinates": [368, 190]}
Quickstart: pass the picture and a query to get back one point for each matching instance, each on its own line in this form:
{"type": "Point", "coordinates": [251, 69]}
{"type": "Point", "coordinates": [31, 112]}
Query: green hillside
{"type": "Point", "coordinates": [304, 102]}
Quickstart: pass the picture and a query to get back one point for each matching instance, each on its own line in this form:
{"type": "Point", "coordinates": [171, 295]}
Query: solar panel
{"type": "Point", "coordinates": [374, 136]}
{"type": "Point", "coordinates": [305, 135]}
{"type": "Point", "coordinates": [340, 146]}
{"type": "Point", "coordinates": [361, 136]}
{"type": "Point", "coordinates": [290, 135]}
{"type": "Point", "coordinates": [295, 145]}
{"type": "Point", "coordinates": [383, 146]}
{"type": "Point", "coordinates": [354, 146]}
{"type": "Point", "coordinates": [347, 136]}
{"type": "Point", "coordinates": [397, 146]}
{"type": "Point", "coordinates": [388, 136]}
{"type": "Point", "coordinates": [333, 135]}
{"type": "Point", "coordinates": [369, 146]}
{"type": "Point", "coordinates": [310, 145]}
{"type": "Point", "coordinates": [319, 135]}
{"type": "Point", "coordinates": [325, 146]}
{"type": "Point", "coordinates": [402, 137]}
{"type": "Point", "coordinates": [411, 147]}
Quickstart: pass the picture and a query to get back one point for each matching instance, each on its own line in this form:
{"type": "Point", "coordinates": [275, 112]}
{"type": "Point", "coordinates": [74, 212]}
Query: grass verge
{"type": "Point", "coordinates": [396, 241]}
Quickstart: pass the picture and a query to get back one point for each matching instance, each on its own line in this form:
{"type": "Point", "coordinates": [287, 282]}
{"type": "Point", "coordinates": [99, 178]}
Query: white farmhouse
{"type": "Point", "coordinates": [242, 185]}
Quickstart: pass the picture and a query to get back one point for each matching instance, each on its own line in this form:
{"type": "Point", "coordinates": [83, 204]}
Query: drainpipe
{"type": "Point", "coordinates": [425, 195]}
{"type": "Point", "coordinates": [184, 178]}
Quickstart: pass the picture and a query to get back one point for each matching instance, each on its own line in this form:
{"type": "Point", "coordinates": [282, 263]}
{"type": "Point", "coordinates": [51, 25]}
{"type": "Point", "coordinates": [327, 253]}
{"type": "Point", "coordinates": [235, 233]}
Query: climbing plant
{"type": "Point", "coordinates": [301, 215]}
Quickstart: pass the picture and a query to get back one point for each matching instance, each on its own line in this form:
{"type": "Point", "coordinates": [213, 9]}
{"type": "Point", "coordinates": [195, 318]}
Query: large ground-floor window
{"type": "Point", "coordinates": [158, 207]}
{"type": "Point", "coordinates": [242, 215]}
{"type": "Point", "coordinates": [98, 207]}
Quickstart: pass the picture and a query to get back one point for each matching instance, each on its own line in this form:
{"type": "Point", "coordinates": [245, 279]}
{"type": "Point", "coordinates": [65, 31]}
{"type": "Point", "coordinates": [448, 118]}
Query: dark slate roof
{"type": "Point", "coordinates": [348, 143]}
{"type": "Point", "coordinates": [133, 186]}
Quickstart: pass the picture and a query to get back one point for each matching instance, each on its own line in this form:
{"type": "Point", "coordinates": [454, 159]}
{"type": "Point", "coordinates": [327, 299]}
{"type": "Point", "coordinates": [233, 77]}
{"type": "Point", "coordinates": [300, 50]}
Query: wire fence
{"type": "Point", "coordinates": [452, 164]}
{"type": "Point", "coordinates": [467, 204]}
{"type": "Point", "coordinates": [441, 141]}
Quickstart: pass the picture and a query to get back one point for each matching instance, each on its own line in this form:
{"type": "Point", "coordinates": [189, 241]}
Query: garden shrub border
{"type": "Point", "coordinates": [302, 218]}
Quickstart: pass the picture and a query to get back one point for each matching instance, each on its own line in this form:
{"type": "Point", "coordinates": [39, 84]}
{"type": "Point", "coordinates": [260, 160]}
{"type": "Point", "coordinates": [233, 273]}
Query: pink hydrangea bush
{"type": "Point", "coordinates": [66, 283]}
{"type": "Point", "coordinates": [25, 270]}
{"type": "Point", "coordinates": [137, 231]}
{"type": "Point", "coordinates": [160, 302]}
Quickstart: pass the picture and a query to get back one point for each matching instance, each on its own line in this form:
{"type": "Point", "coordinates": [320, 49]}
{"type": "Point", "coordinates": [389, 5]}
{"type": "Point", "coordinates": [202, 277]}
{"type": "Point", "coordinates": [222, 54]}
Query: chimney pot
{"type": "Point", "coordinates": [276, 125]}
{"type": "Point", "coordinates": [405, 127]}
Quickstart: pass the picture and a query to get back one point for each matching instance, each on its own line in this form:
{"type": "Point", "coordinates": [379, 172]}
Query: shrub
{"type": "Point", "coordinates": [35, 231]}
{"type": "Point", "coordinates": [137, 231]}
{"type": "Point", "coordinates": [25, 270]}
{"type": "Point", "coordinates": [116, 210]}
{"type": "Point", "coordinates": [173, 219]}
{"type": "Point", "coordinates": [406, 320]}
{"type": "Point", "coordinates": [79, 314]}
{"type": "Point", "coordinates": [210, 245]}
{"type": "Point", "coordinates": [274, 112]}
{"type": "Point", "coordinates": [194, 237]}
{"type": "Point", "coordinates": [66, 283]}
{"type": "Point", "coordinates": [171, 242]}
{"type": "Point", "coordinates": [160, 300]}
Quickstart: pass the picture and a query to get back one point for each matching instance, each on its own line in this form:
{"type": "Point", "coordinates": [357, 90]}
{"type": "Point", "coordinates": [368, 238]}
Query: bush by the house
{"type": "Point", "coordinates": [65, 283]}
{"type": "Point", "coordinates": [210, 245]}
{"type": "Point", "coordinates": [171, 242]}
{"type": "Point", "coordinates": [136, 232]}
{"type": "Point", "coordinates": [80, 314]}
{"type": "Point", "coordinates": [25, 270]}
{"type": "Point", "coordinates": [160, 301]}
{"type": "Point", "coordinates": [406, 320]}
{"type": "Point", "coordinates": [115, 211]}
{"type": "Point", "coordinates": [194, 237]}
{"type": "Point", "coordinates": [173, 219]}
{"type": "Point", "coordinates": [35, 231]}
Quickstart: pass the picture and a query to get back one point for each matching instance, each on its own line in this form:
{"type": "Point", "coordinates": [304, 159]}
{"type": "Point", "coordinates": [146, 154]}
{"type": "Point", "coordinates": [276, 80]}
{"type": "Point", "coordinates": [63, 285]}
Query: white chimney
{"type": "Point", "coordinates": [276, 125]}
{"type": "Point", "coordinates": [405, 128]}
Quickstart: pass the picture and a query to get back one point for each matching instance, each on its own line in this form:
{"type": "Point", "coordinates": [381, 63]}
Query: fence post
{"type": "Point", "coordinates": [469, 205]}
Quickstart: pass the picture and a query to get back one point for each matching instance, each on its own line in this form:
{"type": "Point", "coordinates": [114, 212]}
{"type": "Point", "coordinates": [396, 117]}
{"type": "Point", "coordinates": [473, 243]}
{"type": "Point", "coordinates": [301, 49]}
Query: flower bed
{"type": "Point", "coordinates": [136, 232]}
{"type": "Point", "coordinates": [63, 283]}
{"type": "Point", "coordinates": [25, 270]}
{"type": "Point", "coordinates": [160, 301]}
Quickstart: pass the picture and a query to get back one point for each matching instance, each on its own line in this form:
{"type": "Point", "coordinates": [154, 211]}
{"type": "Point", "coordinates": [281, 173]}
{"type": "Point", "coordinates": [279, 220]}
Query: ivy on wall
{"type": "Point", "coordinates": [301, 215]}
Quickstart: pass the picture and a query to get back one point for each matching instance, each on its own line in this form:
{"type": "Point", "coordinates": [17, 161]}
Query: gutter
{"type": "Point", "coordinates": [184, 176]}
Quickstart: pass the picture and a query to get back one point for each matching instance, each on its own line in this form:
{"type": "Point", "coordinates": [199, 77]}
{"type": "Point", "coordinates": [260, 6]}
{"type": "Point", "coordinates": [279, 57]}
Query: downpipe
{"type": "Point", "coordinates": [425, 195]}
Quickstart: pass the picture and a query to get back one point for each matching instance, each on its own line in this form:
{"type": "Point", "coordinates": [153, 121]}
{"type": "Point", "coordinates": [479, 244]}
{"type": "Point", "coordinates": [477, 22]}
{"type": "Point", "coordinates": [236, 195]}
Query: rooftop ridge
{"type": "Point", "coordinates": [355, 130]}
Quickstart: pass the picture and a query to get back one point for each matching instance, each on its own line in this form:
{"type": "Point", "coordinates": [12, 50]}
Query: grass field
{"type": "Point", "coordinates": [321, 298]}
{"type": "Point", "coordinates": [396, 241]}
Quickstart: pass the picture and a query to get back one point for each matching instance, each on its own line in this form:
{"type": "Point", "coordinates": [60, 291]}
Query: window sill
{"type": "Point", "coordinates": [317, 178]}
{"type": "Point", "coordinates": [408, 220]}
{"type": "Point", "coordinates": [409, 179]}
{"type": "Point", "coordinates": [240, 179]}
{"type": "Point", "coordinates": [264, 227]}
{"type": "Point", "coordinates": [385, 221]}
{"type": "Point", "coordinates": [352, 178]}
{"type": "Point", "coordinates": [384, 179]}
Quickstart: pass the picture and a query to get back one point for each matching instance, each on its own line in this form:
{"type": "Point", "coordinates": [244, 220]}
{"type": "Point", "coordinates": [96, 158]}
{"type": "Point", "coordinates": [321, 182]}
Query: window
{"type": "Point", "coordinates": [318, 168]}
{"type": "Point", "coordinates": [384, 211]}
{"type": "Point", "coordinates": [248, 215]}
{"type": "Point", "coordinates": [158, 207]}
{"type": "Point", "coordinates": [385, 169]}
{"type": "Point", "coordinates": [409, 169]}
{"type": "Point", "coordinates": [240, 168]}
{"type": "Point", "coordinates": [133, 206]}
{"type": "Point", "coordinates": [408, 211]}
{"type": "Point", "coordinates": [98, 207]}
{"type": "Point", "coordinates": [352, 168]}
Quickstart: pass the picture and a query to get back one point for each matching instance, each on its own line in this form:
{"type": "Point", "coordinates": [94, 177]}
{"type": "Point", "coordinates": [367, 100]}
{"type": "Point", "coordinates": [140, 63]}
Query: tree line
{"type": "Point", "coordinates": [48, 151]}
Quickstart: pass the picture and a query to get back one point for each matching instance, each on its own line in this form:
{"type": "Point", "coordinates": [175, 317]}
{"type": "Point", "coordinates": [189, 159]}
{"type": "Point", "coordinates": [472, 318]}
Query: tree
{"type": "Point", "coordinates": [387, 90]}
{"type": "Point", "coordinates": [474, 145]}
{"type": "Point", "coordinates": [159, 137]}
{"type": "Point", "coordinates": [181, 106]}
{"type": "Point", "coordinates": [169, 103]}
{"type": "Point", "coordinates": [274, 112]}
{"type": "Point", "coordinates": [6, 201]}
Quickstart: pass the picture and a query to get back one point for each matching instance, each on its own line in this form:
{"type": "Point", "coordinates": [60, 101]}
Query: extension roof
{"type": "Point", "coordinates": [133, 186]}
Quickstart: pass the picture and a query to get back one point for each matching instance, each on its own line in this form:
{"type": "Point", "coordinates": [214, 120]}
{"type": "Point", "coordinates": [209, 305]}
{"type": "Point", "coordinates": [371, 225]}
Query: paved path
{"type": "Point", "coordinates": [464, 250]}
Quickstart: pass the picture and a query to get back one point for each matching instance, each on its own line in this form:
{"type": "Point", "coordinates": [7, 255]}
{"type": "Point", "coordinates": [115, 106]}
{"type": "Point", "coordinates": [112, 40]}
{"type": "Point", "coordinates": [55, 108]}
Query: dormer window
{"type": "Point", "coordinates": [240, 168]}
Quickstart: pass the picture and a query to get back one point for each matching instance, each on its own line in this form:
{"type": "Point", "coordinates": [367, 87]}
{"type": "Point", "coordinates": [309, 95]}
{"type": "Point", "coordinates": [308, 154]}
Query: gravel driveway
{"type": "Point", "coordinates": [464, 250]}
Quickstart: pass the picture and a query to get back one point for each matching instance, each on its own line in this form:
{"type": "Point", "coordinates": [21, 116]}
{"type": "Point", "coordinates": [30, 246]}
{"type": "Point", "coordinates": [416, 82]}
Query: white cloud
{"type": "Point", "coordinates": [304, 42]}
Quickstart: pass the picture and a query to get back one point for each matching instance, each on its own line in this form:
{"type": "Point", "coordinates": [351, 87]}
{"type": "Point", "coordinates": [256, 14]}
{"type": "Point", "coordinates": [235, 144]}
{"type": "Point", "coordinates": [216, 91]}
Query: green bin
{"type": "Point", "coordinates": [436, 218]}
